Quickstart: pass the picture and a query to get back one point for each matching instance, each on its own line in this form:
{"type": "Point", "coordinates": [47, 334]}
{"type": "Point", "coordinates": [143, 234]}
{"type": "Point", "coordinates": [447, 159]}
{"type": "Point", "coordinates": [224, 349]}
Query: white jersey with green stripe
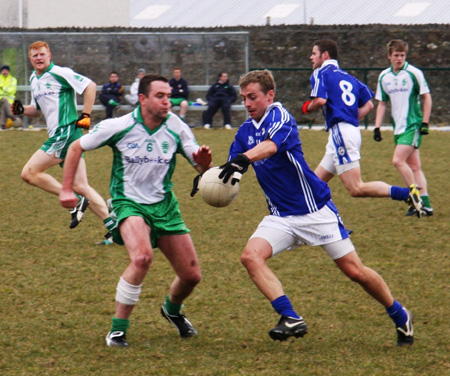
{"type": "Point", "coordinates": [403, 89]}
{"type": "Point", "coordinates": [53, 93]}
{"type": "Point", "coordinates": [143, 159]}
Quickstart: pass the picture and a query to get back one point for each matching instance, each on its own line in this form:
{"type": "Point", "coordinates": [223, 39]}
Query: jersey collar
{"type": "Point", "coordinates": [137, 116]}
{"type": "Point", "coordinates": [330, 62]}
{"type": "Point", "coordinates": [405, 65]}
{"type": "Point", "coordinates": [49, 67]}
{"type": "Point", "coordinates": [258, 124]}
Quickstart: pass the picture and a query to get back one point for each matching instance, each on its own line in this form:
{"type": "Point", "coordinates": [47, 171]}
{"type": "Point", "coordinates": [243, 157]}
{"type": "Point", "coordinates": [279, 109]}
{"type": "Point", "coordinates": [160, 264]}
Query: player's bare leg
{"type": "Point", "coordinates": [180, 252]}
{"type": "Point", "coordinates": [33, 172]}
{"type": "Point", "coordinates": [254, 258]}
{"type": "Point", "coordinates": [80, 185]}
{"type": "Point", "coordinates": [323, 174]}
{"type": "Point", "coordinates": [369, 279]}
{"type": "Point", "coordinates": [357, 188]}
{"type": "Point", "coordinates": [401, 154]}
{"type": "Point", "coordinates": [374, 284]}
{"type": "Point", "coordinates": [407, 161]}
{"type": "Point", "coordinates": [136, 235]}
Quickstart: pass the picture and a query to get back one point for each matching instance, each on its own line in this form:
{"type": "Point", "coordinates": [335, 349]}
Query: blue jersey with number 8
{"type": "Point", "coordinates": [343, 92]}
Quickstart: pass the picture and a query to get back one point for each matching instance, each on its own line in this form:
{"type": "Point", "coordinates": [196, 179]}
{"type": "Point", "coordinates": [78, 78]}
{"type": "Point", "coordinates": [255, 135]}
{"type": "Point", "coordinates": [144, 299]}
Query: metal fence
{"type": "Point", "coordinates": [202, 55]}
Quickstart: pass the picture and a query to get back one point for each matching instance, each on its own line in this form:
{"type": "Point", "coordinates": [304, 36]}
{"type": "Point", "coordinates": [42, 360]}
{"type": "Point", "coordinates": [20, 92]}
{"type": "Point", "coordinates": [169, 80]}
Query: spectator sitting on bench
{"type": "Point", "coordinates": [180, 92]}
{"type": "Point", "coordinates": [220, 95]}
{"type": "Point", "coordinates": [133, 97]}
{"type": "Point", "coordinates": [111, 94]}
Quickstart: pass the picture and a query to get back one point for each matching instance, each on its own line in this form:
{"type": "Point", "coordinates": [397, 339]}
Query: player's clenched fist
{"type": "Point", "coordinates": [17, 107]}
{"type": "Point", "coordinates": [84, 121]}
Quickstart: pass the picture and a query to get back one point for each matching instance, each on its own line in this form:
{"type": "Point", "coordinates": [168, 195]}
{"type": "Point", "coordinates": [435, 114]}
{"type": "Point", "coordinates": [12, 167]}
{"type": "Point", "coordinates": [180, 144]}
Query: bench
{"type": "Point", "coordinates": [129, 108]}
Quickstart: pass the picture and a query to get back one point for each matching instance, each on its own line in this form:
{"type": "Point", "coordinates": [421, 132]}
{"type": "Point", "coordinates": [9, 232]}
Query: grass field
{"type": "Point", "coordinates": [57, 288]}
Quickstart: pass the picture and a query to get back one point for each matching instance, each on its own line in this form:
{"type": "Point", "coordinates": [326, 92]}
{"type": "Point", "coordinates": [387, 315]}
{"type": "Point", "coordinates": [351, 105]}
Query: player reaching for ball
{"type": "Point", "coordinates": [145, 143]}
{"type": "Point", "coordinates": [346, 100]}
{"type": "Point", "coordinates": [53, 90]}
{"type": "Point", "coordinates": [301, 210]}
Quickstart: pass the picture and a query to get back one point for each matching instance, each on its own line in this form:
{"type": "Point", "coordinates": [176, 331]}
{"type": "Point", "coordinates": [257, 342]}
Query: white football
{"type": "Point", "coordinates": [214, 192]}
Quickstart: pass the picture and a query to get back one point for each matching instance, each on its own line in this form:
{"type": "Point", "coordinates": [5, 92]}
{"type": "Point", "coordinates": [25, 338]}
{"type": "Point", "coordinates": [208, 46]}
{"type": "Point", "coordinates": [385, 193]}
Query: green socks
{"type": "Point", "coordinates": [109, 223]}
{"type": "Point", "coordinates": [120, 325]}
{"type": "Point", "coordinates": [172, 308]}
{"type": "Point", "coordinates": [426, 201]}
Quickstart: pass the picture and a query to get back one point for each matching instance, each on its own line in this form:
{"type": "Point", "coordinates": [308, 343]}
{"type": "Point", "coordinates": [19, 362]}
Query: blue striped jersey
{"type": "Point", "coordinates": [343, 92]}
{"type": "Point", "coordinates": [290, 186]}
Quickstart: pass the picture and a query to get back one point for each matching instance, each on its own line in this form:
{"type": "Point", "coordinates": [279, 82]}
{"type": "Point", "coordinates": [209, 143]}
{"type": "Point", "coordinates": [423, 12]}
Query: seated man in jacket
{"type": "Point", "coordinates": [220, 95]}
{"type": "Point", "coordinates": [111, 94]}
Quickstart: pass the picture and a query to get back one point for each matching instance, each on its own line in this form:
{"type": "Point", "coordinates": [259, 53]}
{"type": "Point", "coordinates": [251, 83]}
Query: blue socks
{"type": "Point", "coordinates": [399, 193]}
{"type": "Point", "coordinates": [397, 314]}
{"type": "Point", "coordinates": [283, 306]}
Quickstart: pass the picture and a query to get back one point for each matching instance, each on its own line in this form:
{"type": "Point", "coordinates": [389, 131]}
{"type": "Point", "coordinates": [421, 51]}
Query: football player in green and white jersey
{"type": "Point", "coordinates": [53, 90]}
{"type": "Point", "coordinates": [403, 84]}
{"type": "Point", "coordinates": [145, 144]}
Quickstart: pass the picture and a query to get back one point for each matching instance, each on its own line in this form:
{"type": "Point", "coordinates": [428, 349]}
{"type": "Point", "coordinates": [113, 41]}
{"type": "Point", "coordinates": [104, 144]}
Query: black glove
{"type": "Point", "coordinates": [377, 135]}
{"type": "Point", "coordinates": [84, 121]}
{"type": "Point", "coordinates": [238, 164]}
{"type": "Point", "coordinates": [423, 130]}
{"type": "Point", "coordinates": [17, 107]}
{"type": "Point", "coordinates": [195, 184]}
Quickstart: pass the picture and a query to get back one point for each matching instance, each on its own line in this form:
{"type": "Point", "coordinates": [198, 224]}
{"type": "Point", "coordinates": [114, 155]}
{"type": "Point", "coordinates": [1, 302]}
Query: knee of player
{"type": "Point", "coordinates": [143, 260]}
{"type": "Point", "coordinates": [27, 175]}
{"type": "Point", "coordinates": [193, 278]}
{"type": "Point", "coordinates": [250, 257]}
{"type": "Point", "coordinates": [356, 274]}
{"type": "Point", "coordinates": [356, 191]}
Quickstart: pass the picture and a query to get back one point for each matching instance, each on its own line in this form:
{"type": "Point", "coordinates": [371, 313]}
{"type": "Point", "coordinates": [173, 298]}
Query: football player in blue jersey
{"type": "Point", "coordinates": [345, 100]}
{"type": "Point", "coordinates": [301, 210]}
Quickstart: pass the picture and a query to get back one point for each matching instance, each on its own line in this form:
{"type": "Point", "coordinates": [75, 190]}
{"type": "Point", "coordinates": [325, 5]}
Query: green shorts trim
{"type": "Point", "coordinates": [61, 140]}
{"type": "Point", "coordinates": [164, 217]}
{"type": "Point", "coordinates": [177, 101]}
{"type": "Point", "coordinates": [410, 138]}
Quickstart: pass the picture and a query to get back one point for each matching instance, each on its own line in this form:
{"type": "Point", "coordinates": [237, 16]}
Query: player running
{"type": "Point", "coordinates": [145, 143]}
{"type": "Point", "coordinates": [301, 210]}
{"type": "Point", "coordinates": [346, 100]}
{"type": "Point", "coordinates": [53, 90]}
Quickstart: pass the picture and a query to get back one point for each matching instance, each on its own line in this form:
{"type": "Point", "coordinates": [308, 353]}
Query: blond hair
{"type": "Point", "coordinates": [263, 77]}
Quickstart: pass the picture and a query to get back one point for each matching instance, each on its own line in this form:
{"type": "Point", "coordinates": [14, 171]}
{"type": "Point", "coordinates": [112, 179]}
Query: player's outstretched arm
{"type": "Point", "coordinates": [203, 158]}
{"type": "Point", "coordinates": [67, 197]}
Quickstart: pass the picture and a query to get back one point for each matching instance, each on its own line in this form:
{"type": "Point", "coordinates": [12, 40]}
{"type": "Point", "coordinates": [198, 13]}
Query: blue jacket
{"type": "Point", "coordinates": [115, 90]}
{"type": "Point", "coordinates": [221, 91]}
{"type": "Point", "coordinates": [180, 88]}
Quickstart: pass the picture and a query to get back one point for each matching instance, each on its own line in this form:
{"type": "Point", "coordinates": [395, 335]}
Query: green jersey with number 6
{"type": "Point", "coordinates": [144, 159]}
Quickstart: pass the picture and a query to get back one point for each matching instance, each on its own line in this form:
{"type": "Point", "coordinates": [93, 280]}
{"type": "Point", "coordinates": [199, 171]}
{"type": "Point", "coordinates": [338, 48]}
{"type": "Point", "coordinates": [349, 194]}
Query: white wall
{"type": "Point", "coordinates": [38, 14]}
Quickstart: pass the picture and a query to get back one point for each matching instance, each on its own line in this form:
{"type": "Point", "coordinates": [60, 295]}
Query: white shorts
{"type": "Point", "coordinates": [324, 228]}
{"type": "Point", "coordinates": [343, 149]}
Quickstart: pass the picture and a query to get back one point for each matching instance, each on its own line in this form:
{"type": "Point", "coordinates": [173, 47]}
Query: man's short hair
{"type": "Point", "coordinates": [37, 45]}
{"type": "Point", "coordinates": [329, 46]}
{"type": "Point", "coordinates": [396, 45]}
{"type": "Point", "coordinates": [263, 77]}
{"type": "Point", "coordinates": [145, 83]}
